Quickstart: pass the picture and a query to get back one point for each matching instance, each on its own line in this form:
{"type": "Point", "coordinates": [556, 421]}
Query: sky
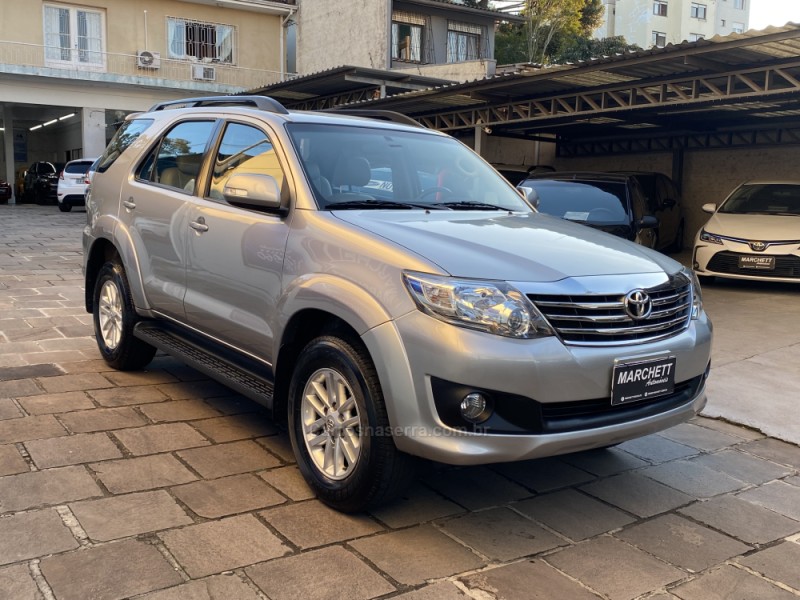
{"type": "Point", "coordinates": [773, 12]}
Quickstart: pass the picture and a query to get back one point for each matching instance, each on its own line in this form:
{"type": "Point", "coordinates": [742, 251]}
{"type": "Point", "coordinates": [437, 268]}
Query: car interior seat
{"type": "Point", "coordinates": [184, 173]}
{"type": "Point", "coordinates": [350, 172]}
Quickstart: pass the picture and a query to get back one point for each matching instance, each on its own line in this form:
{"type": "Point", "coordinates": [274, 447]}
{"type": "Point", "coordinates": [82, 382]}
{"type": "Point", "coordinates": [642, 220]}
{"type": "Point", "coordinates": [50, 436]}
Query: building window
{"type": "Point", "coordinates": [73, 36]}
{"type": "Point", "coordinates": [408, 32]}
{"type": "Point", "coordinates": [737, 27]}
{"type": "Point", "coordinates": [659, 39]}
{"type": "Point", "coordinates": [464, 41]}
{"type": "Point", "coordinates": [698, 11]}
{"type": "Point", "coordinates": [695, 37]}
{"type": "Point", "coordinates": [208, 42]}
{"type": "Point", "coordinates": [660, 8]}
{"type": "Point", "coordinates": [738, 4]}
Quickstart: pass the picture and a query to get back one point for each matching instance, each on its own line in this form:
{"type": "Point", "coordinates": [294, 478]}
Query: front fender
{"type": "Point", "coordinates": [331, 294]}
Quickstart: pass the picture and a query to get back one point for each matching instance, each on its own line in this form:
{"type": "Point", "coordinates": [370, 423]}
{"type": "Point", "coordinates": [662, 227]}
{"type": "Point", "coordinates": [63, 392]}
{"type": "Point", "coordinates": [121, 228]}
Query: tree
{"type": "Point", "coordinates": [579, 48]}
{"type": "Point", "coordinates": [545, 18]}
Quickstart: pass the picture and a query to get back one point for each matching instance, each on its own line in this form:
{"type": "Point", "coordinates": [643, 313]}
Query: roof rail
{"type": "Point", "coordinates": [261, 102]}
{"type": "Point", "coordinates": [383, 115]}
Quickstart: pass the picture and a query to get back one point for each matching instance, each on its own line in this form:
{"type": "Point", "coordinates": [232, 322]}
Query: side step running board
{"type": "Point", "coordinates": [217, 365]}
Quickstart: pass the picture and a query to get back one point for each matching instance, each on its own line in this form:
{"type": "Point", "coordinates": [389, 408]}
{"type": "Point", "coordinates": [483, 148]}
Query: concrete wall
{"type": "Point", "coordinates": [463, 71]}
{"type": "Point", "coordinates": [258, 34]}
{"type": "Point", "coordinates": [345, 32]}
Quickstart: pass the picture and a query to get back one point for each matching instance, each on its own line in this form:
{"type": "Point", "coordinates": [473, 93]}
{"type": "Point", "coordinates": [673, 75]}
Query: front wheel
{"type": "Point", "coordinates": [114, 318]}
{"type": "Point", "coordinates": [339, 429]}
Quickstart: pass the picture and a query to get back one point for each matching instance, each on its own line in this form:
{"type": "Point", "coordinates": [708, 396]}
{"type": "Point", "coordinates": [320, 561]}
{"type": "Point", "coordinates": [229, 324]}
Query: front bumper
{"type": "Point", "coordinates": [722, 260]}
{"type": "Point", "coordinates": [416, 351]}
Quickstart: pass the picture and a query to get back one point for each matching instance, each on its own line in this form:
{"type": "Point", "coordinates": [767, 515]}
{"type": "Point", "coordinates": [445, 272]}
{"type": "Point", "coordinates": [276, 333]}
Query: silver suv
{"type": "Point", "coordinates": [382, 289]}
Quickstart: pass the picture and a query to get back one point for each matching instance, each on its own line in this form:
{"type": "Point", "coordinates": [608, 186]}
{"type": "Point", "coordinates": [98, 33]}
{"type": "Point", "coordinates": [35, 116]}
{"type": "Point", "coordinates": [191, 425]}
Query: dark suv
{"type": "Point", "coordinates": [41, 182]}
{"type": "Point", "coordinates": [610, 202]}
{"type": "Point", "coordinates": [664, 201]}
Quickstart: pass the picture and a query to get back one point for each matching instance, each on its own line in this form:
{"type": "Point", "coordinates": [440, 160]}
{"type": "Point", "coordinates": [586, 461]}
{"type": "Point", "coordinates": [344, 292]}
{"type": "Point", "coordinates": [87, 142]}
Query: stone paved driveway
{"type": "Point", "coordinates": [163, 485]}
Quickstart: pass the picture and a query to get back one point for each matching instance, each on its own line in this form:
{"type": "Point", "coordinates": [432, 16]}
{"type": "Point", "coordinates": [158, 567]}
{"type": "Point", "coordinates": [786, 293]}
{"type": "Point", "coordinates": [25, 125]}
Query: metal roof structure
{"type": "Point", "coordinates": [742, 89]}
{"type": "Point", "coordinates": [344, 85]}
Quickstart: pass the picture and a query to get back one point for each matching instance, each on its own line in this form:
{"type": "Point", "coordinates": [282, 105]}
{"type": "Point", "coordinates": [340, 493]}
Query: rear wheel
{"type": "Point", "coordinates": [339, 428]}
{"type": "Point", "coordinates": [114, 318]}
{"type": "Point", "coordinates": [63, 207]}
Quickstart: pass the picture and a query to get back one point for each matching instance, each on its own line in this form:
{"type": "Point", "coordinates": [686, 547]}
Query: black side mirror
{"type": "Point", "coordinates": [648, 222]}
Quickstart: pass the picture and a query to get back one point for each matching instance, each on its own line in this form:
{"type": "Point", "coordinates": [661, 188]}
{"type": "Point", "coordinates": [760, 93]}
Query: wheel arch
{"type": "Point", "coordinates": [104, 249]}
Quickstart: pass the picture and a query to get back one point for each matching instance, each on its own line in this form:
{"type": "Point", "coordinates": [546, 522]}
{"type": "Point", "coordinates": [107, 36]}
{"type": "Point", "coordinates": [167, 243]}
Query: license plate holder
{"type": "Point", "coordinates": [636, 380]}
{"type": "Point", "coordinates": [757, 263]}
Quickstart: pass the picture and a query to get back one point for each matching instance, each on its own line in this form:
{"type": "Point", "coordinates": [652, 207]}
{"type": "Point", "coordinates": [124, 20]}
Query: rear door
{"type": "Point", "coordinates": [235, 255]}
{"type": "Point", "coordinates": [155, 205]}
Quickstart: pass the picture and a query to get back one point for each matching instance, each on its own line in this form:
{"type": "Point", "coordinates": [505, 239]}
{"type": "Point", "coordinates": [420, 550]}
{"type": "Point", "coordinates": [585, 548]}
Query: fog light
{"type": "Point", "coordinates": [475, 408]}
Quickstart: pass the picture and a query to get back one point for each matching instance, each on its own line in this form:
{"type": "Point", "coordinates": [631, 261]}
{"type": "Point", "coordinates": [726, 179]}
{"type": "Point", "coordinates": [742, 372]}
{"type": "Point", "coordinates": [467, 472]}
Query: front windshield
{"type": "Point", "coordinates": [596, 202]}
{"type": "Point", "coordinates": [764, 199]}
{"type": "Point", "coordinates": [361, 167]}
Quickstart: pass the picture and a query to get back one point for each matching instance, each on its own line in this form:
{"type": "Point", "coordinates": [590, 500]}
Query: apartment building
{"type": "Point", "coordinates": [69, 71]}
{"type": "Point", "coordinates": [446, 39]}
{"type": "Point", "coordinates": [650, 23]}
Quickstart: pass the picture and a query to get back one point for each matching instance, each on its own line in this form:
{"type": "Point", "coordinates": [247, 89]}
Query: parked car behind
{"type": "Point", "coordinates": [41, 182]}
{"type": "Point", "coordinates": [5, 191]}
{"type": "Point", "coordinates": [610, 202]}
{"type": "Point", "coordinates": [72, 182]}
{"type": "Point", "coordinates": [445, 319]}
{"type": "Point", "coordinates": [664, 201]}
{"type": "Point", "coordinates": [754, 234]}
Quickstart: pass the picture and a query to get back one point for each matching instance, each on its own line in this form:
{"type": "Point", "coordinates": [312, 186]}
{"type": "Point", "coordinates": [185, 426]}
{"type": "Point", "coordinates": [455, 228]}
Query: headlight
{"type": "Point", "coordinates": [491, 306]}
{"type": "Point", "coordinates": [697, 293]}
{"type": "Point", "coordinates": [709, 237]}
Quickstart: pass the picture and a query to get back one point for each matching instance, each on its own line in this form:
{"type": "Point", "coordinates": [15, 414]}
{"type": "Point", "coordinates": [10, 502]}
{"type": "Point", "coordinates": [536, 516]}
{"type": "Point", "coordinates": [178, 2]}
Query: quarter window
{"type": "Point", "coordinates": [660, 8]}
{"type": "Point", "coordinates": [244, 149]}
{"type": "Point", "coordinates": [207, 42]}
{"type": "Point", "coordinates": [73, 36]}
{"type": "Point", "coordinates": [698, 11]}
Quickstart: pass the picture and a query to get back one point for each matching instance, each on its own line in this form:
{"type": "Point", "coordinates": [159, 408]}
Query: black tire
{"type": "Point", "coordinates": [380, 471]}
{"type": "Point", "coordinates": [64, 207]}
{"type": "Point", "coordinates": [113, 309]}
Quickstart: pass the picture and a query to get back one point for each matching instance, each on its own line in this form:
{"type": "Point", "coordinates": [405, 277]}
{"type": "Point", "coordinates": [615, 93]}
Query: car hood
{"type": "Point", "coordinates": [510, 246]}
{"type": "Point", "coordinates": [755, 227]}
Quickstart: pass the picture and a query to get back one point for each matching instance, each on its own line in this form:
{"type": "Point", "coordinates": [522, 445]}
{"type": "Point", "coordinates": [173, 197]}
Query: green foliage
{"type": "Point", "coordinates": [556, 31]}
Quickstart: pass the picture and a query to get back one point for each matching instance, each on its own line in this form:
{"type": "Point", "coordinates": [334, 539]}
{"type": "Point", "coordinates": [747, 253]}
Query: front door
{"type": "Point", "coordinates": [235, 255]}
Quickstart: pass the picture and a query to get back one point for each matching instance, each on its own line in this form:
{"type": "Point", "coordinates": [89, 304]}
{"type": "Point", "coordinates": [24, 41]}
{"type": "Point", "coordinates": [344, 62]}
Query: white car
{"type": "Point", "coordinates": [754, 234]}
{"type": "Point", "coordinates": [72, 182]}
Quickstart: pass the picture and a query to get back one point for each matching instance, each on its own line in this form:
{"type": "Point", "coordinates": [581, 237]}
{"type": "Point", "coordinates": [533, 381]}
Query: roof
{"type": "Point", "coordinates": [327, 88]}
{"type": "Point", "coordinates": [707, 86]}
{"type": "Point", "coordinates": [477, 10]}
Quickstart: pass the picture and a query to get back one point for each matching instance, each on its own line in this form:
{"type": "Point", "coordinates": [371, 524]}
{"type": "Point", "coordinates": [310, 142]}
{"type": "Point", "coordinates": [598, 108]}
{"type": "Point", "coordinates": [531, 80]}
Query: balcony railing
{"type": "Point", "coordinates": [33, 59]}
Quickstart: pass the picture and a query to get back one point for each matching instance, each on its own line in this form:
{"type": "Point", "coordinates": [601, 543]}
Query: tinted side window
{"type": "Point", "coordinates": [177, 159]}
{"type": "Point", "coordinates": [244, 149]}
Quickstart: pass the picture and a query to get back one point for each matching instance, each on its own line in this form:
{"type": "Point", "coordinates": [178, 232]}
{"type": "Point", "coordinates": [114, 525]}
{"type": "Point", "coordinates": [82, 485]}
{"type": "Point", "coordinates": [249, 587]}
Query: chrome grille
{"type": "Point", "coordinates": [600, 320]}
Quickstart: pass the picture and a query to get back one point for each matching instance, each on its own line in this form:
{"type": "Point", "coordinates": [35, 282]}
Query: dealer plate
{"type": "Point", "coordinates": [761, 263]}
{"type": "Point", "coordinates": [634, 381]}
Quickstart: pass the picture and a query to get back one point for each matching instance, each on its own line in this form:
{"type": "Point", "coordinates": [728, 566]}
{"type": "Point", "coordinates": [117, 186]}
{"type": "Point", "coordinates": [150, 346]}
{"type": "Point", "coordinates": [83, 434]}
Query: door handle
{"type": "Point", "coordinates": [199, 225]}
{"type": "Point", "coordinates": [129, 203]}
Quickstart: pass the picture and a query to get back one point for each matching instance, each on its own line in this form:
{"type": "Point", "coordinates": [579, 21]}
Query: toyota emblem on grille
{"type": "Point", "coordinates": [638, 305]}
{"type": "Point", "coordinates": [758, 246]}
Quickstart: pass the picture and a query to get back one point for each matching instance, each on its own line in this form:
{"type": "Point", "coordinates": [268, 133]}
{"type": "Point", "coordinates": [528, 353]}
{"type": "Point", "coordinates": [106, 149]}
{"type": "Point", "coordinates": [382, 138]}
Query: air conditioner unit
{"type": "Point", "coordinates": [203, 73]}
{"type": "Point", "coordinates": [148, 60]}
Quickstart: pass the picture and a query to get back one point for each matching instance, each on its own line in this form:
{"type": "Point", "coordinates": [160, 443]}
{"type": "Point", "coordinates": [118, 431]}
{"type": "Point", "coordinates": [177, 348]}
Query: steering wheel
{"type": "Point", "coordinates": [434, 190]}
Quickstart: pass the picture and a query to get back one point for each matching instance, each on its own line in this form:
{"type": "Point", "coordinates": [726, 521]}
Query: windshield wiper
{"type": "Point", "coordinates": [355, 204]}
{"type": "Point", "coordinates": [469, 205]}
